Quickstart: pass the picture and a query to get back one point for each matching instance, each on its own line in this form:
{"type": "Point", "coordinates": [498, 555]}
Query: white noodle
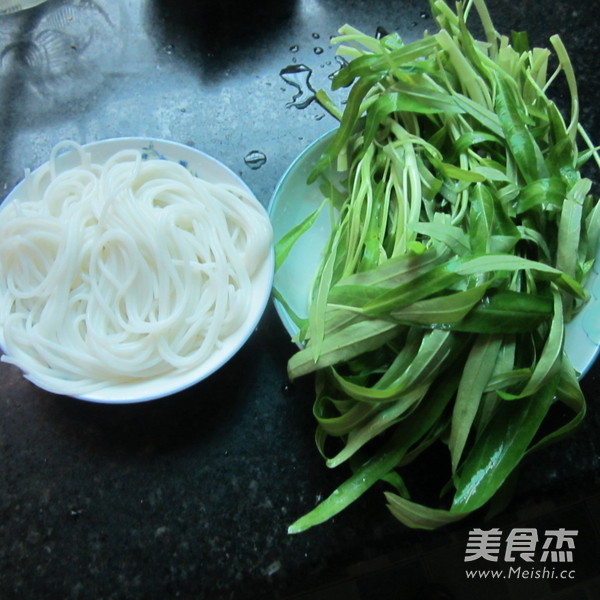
{"type": "Point", "coordinates": [127, 270]}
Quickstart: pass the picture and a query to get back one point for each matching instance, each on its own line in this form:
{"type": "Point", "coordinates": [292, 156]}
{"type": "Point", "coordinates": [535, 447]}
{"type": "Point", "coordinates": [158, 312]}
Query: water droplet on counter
{"type": "Point", "coordinates": [161, 531]}
{"type": "Point", "coordinates": [316, 36]}
{"type": "Point", "coordinates": [298, 76]}
{"type": "Point", "coordinates": [272, 568]}
{"type": "Point", "coordinates": [380, 32]}
{"type": "Point", "coordinates": [424, 15]}
{"type": "Point", "coordinates": [169, 48]}
{"type": "Point", "coordinates": [287, 389]}
{"type": "Point", "coordinates": [342, 62]}
{"type": "Point", "coordinates": [294, 48]}
{"type": "Point", "coordinates": [319, 117]}
{"type": "Point", "coordinates": [255, 159]}
{"type": "Point", "coordinates": [318, 50]}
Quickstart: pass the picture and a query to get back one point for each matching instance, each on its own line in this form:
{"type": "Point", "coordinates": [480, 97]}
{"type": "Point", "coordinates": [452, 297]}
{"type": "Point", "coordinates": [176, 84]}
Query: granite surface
{"type": "Point", "coordinates": [190, 496]}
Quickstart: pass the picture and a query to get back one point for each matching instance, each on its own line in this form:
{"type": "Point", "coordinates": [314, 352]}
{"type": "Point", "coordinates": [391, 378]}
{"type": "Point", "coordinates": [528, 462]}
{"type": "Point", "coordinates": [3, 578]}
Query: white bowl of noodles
{"type": "Point", "coordinates": [130, 269]}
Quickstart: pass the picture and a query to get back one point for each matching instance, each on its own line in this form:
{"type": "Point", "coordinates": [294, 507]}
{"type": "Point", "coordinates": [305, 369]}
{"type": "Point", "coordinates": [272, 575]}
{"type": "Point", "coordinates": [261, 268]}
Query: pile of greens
{"type": "Point", "coordinates": [463, 233]}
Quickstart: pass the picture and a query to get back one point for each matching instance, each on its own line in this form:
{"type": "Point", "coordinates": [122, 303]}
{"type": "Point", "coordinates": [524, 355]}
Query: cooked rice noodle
{"type": "Point", "coordinates": [123, 271]}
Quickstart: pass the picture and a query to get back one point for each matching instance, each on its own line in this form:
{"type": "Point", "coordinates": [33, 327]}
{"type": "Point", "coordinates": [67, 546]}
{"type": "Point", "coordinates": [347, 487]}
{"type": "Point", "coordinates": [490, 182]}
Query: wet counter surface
{"type": "Point", "coordinates": [191, 496]}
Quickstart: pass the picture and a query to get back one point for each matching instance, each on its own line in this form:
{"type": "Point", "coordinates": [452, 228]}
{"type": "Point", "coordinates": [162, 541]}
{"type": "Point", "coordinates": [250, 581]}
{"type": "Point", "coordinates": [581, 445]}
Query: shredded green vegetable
{"type": "Point", "coordinates": [463, 233]}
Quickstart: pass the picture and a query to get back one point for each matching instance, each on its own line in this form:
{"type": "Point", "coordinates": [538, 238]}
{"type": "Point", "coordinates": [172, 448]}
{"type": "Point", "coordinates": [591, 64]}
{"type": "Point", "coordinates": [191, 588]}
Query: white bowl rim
{"type": "Point", "coordinates": [273, 205]}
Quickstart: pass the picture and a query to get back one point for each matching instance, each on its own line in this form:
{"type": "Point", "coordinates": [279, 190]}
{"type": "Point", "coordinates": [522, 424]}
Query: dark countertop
{"type": "Point", "coordinates": [191, 496]}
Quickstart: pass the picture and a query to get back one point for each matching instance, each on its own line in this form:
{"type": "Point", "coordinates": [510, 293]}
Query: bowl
{"type": "Point", "coordinates": [209, 169]}
{"type": "Point", "coordinates": [294, 199]}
